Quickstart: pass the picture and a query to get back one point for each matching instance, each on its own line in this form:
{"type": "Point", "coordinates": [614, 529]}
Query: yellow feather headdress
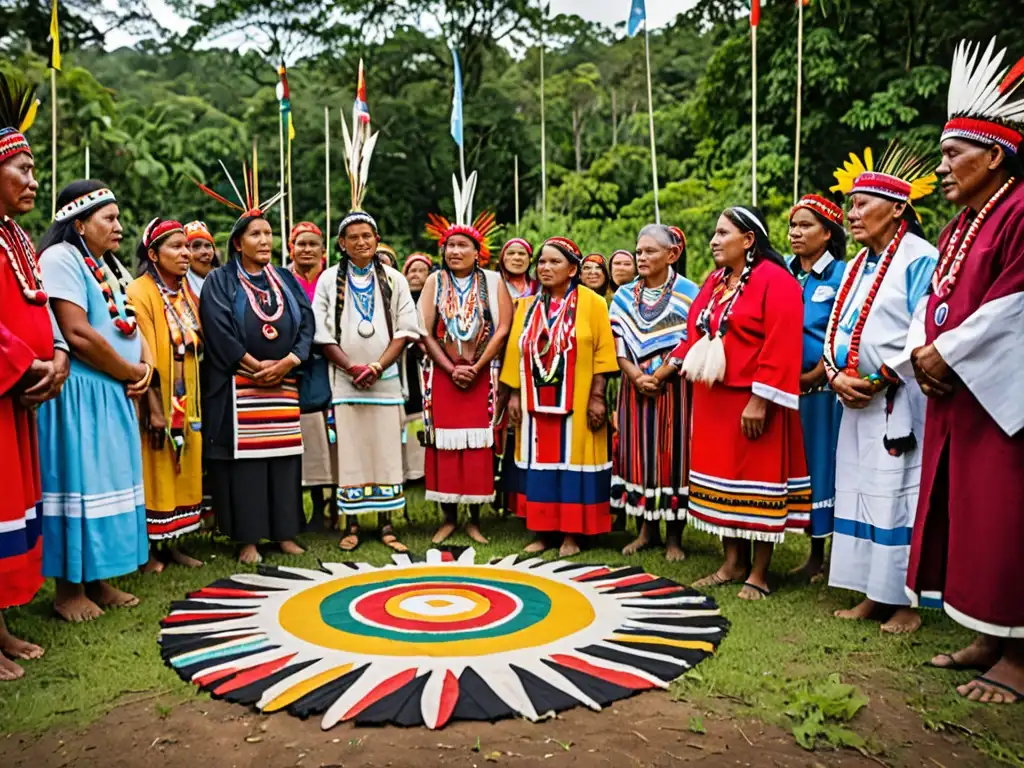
{"type": "Point", "coordinates": [903, 174]}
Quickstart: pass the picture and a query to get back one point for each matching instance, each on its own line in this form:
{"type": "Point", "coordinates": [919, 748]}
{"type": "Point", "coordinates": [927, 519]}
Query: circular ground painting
{"type": "Point", "coordinates": [423, 643]}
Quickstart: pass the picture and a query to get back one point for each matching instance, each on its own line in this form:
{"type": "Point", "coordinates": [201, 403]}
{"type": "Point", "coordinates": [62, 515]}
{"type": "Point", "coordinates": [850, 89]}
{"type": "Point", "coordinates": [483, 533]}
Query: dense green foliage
{"type": "Point", "coordinates": [156, 115]}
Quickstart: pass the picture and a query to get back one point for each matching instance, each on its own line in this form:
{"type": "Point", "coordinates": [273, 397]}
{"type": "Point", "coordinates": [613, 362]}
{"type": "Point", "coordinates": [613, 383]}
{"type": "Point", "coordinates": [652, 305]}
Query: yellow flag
{"type": "Point", "coordinates": [291, 128]}
{"type": "Point", "coordinates": [54, 39]}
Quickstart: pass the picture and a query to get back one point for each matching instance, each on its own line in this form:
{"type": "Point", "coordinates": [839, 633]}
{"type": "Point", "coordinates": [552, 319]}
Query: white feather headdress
{"type": "Point", "coordinates": [981, 104]}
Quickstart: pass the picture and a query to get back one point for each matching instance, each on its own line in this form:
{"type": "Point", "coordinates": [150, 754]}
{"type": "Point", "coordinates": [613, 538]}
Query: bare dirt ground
{"type": "Point", "coordinates": [647, 730]}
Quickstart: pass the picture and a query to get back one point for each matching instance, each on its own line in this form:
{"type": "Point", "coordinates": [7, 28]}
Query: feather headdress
{"type": "Point", "coordinates": [478, 230]}
{"type": "Point", "coordinates": [979, 105]}
{"type": "Point", "coordinates": [359, 144]}
{"type": "Point", "coordinates": [18, 107]}
{"type": "Point", "coordinates": [250, 204]}
{"type": "Point", "coordinates": [904, 174]}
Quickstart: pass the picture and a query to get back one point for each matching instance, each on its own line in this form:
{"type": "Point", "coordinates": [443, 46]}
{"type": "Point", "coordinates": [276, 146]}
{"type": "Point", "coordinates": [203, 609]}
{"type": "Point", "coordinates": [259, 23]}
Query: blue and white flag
{"type": "Point", "coordinates": [457, 100]}
{"type": "Point", "coordinates": [637, 16]}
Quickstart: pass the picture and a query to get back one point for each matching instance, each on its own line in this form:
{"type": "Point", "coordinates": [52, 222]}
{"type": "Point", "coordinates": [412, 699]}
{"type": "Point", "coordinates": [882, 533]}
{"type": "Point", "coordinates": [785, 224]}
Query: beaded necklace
{"type": "Point", "coordinates": [548, 334]}
{"type": "Point", "coordinates": [945, 276]}
{"type": "Point", "coordinates": [460, 307]}
{"type": "Point", "coordinates": [258, 297]}
{"type": "Point", "coordinates": [182, 316]}
{"type": "Point", "coordinates": [126, 324]}
{"type": "Point", "coordinates": [364, 296]}
{"type": "Point", "coordinates": [651, 311]}
{"type": "Point", "coordinates": [720, 293]}
{"type": "Point", "coordinates": [22, 258]}
{"type": "Point", "coordinates": [853, 356]}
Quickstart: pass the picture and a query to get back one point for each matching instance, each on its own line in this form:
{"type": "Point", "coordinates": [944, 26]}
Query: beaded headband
{"type": "Point", "coordinates": [197, 230]}
{"type": "Point", "coordinates": [680, 236]}
{"type": "Point", "coordinates": [480, 231]}
{"type": "Point", "coordinates": [86, 202]}
{"type": "Point", "coordinates": [979, 105]}
{"type": "Point", "coordinates": [821, 206]}
{"type": "Point", "coordinates": [18, 107]}
{"type": "Point", "coordinates": [12, 142]}
{"type": "Point", "coordinates": [565, 244]}
{"type": "Point", "coordinates": [903, 174]}
{"type": "Point", "coordinates": [597, 258]}
{"type": "Point", "coordinates": [158, 229]}
{"type": "Point", "coordinates": [358, 217]}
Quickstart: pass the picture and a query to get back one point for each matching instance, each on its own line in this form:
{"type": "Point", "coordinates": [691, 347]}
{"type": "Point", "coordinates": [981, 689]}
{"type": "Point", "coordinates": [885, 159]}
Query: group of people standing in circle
{"type": "Point", "coordinates": [861, 400]}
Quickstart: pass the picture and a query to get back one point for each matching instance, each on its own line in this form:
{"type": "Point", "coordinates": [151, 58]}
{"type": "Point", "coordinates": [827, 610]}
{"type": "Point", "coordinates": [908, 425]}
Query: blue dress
{"type": "Point", "coordinates": [820, 410]}
{"type": "Point", "coordinates": [94, 508]}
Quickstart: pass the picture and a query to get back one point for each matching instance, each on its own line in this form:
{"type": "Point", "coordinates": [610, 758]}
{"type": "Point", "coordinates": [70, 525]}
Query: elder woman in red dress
{"type": "Point", "coordinates": [30, 373]}
{"type": "Point", "coordinates": [743, 352]}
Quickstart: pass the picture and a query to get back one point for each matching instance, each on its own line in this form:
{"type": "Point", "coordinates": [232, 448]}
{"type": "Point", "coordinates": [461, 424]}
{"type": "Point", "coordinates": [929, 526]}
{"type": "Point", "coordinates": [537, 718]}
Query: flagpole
{"type": "Point", "coordinates": [753, 113]}
{"type": "Point", "coordinates": [281, 203]}
{"type": "Point", "coordinates": [650, 117]}
{"type": "Point", "coordinates": [543, 133]}
{"type": "Point", "coordinates": [327, 178]}
{"type": "Point", "coordinates": [799, 94]}
{"type": "Point", "coordinates": [291, 192]}
{"type": "Point", "coordinates": [87, 160]}
{"type": "Point", "coordinates": [516, 187]}
{"type": "Point", "coordinates": [53, 141]}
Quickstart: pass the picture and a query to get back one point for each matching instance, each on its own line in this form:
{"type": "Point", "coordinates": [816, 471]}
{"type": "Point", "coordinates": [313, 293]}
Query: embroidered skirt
{"type": "Point", "coordinates": [459, 465]}
{"type": "Point", "coordinates": [94, 506]}
{"type": "Point", "coordinates": [741, 488]}
{"type": "Point", "coordinates": [370, 475]}
{"type": "Point", "coordinates": [21, 546]}
{"type": "Point", "coordinates": [652, 453]}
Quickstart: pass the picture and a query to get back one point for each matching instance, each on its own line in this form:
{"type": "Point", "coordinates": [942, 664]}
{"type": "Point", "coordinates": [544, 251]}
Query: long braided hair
{"type": "Point", "coordinates": [341, 281]}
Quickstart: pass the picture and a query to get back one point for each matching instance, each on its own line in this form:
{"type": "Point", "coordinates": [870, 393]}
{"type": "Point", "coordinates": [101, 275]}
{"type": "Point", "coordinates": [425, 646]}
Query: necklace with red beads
{"type": "Point", "coordinates": [22, 258]}
{"type": "Point", "coordinates": [853, 356]}
{"type": "Point", "coordinates": [258, 298]}
{"type": "Point", "coordinates": [125, 324]}
{"type": "Point", "coordinates": [956, 251]}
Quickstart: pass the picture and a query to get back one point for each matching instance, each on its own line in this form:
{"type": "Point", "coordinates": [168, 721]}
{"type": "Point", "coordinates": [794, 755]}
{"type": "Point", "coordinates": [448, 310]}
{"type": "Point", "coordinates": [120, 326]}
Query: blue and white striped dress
{"type": "Point", "coordinates": [94, 508]}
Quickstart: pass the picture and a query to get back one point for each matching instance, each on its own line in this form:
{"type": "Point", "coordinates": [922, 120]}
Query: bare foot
{"type": "Point", "coordinates": [722, 576]}
{"type": "Point", "coordinates": [153, 565]}
{"type": "Point", "coordinates": [1003, 684]}
{"type": "Point", "coordinates": [444, 532]}
{"type": "Point", "coordinates": [107, 596]}
{"type": "Point", "coordinates": [291, 548]}
{"type": "Point", "coordinates": [250, 555]}
{"type": "Point", "coordinates": [179, 556]}
{"type": "Point", "coordinates": [535, 547]}
{"type": "Point", "coordinates": [864, 610]}
{"type": "Point", "coordinates": [72, 605]}
{"type": "Point", "coordinates": [674, 550]}
{"type": "Point", "coordinates": [903, 621]}
{"type": "Point", "coordinates": [473, 531]}
{"type": "Point", "coordinates": [983, 653]}
{"type": "Point", "coordinates": [17, 648]}
{"type": "Point", "coordinates": [569, 547]}
{"type": "Point", "coordinates": [754, 590]}
{"type": "Point", "coordinates": [9, 670]}
{"type": "Point", "coordinates": [644, 540]}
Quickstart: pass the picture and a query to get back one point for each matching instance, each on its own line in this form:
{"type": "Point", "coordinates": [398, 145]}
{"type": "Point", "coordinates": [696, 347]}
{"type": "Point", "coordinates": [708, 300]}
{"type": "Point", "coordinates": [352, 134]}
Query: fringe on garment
{"type": "Point", "coordinates": [458, 498]}
{"type": "Point", "coordinates": [463, 439]}
{"type": "Point", "coordinates": [736, 533]}
{"type": "Point", "coordinates": [705, 362]}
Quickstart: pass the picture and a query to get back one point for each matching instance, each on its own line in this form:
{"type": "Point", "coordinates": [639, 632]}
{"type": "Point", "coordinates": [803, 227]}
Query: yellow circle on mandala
{"type": "Point", "coordinates": [480, 605]}
{"type": "Point", "coordinates": [570, 612]}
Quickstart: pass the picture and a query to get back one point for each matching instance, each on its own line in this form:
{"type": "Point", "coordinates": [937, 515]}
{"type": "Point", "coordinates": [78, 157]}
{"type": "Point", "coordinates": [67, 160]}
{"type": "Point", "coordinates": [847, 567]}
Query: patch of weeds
{"type": "Point", "coordinates": [696, 725]}
{"type": "Point", "coordinates": [163, 711]}
{"type": "Point", "coordinates": [819, 710]}
{"type": "Point", "coordinates": [476, 747]}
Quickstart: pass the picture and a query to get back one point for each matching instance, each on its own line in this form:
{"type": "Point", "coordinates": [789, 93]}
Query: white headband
{"type": "Point", "coordinates": [750, 218]}
{"type": "Point", "coordinates": [87, 201]}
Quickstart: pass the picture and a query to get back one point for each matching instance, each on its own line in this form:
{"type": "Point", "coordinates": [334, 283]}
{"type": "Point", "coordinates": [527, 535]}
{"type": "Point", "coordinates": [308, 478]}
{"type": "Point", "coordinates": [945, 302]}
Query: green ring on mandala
{"type": "Point", "coordinates": [334, 610]}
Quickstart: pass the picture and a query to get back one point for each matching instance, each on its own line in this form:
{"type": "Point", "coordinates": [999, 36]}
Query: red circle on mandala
{"type": "Point", "coordinates": [372, 608]}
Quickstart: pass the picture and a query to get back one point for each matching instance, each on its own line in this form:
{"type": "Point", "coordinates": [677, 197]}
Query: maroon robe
{"type": "Point", "coordinates": [969, 534]}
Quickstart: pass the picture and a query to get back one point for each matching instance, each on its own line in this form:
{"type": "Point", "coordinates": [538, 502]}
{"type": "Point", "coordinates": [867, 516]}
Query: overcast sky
{"type": "Point", "coordinates": [610, 12]}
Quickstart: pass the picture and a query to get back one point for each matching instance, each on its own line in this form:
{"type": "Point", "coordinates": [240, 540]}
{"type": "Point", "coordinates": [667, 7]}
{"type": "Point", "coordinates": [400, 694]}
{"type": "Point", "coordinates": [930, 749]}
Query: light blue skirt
{"type": "Point", "coordinates": [820, 416]}
{"type": "Point", "coordinates": [94, 507]}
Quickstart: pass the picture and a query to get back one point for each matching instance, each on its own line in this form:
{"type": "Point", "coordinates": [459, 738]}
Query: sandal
{"type": "Point", "coordinates": [351, 540]}
{"type": "Point", "coordinates": [762, 590]}
{"type": "Point", "coordinates": [713, 580]}
{"type": "Point", "coordinates": [953, 665]}
{"type": "Point", "coordinates": [389, 539]}
{"type": "Point", "coordinates": [1018, 696]}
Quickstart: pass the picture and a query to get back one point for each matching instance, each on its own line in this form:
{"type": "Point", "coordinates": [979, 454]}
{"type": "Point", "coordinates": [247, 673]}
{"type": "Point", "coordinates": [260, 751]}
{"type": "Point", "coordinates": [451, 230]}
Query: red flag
{"type": "Point", "coordinates": [755, 12]}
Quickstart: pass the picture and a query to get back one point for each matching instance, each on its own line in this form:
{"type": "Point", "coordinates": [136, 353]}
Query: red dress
{"type": "Point", "coordinates": [741, 488]}
{"type": "Point", "coordinates": [25, 335]}
{"type": "Point", "coordinates": [969, 531]}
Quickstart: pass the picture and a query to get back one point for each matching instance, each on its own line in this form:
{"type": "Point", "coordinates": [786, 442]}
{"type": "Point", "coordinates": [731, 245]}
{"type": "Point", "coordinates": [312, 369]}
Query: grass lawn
{"type": "Point", "coordinates": [779, 653]}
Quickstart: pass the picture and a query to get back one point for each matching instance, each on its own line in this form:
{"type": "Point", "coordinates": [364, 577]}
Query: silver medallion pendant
{"type": "Point", "coordinates": [941, 313]}
{"type": "Point", "coordinates": [365, 329]}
